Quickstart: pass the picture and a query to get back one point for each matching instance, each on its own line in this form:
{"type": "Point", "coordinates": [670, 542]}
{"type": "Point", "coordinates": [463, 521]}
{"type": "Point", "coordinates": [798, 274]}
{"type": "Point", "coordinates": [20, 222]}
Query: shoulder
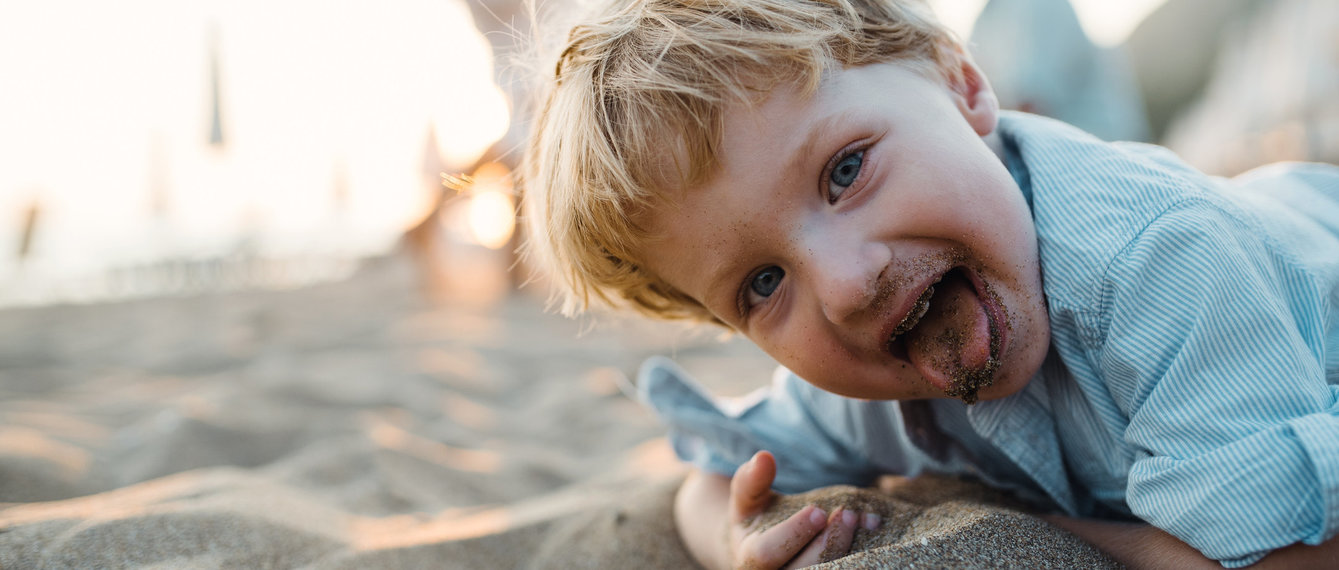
{"type": "Point", "coordinates": [1095, 202]}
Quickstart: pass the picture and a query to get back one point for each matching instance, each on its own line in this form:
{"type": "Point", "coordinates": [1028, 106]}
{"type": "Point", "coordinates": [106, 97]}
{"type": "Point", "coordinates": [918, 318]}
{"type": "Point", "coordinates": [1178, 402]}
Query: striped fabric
{"type": "Point", "coordinates": [1193, 380]}
{"type": "Point", "coordinates": [1199, 319]}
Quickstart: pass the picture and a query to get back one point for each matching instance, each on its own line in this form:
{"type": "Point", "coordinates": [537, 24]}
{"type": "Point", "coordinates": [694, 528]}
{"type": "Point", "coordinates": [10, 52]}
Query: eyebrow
{"type": "Point", "coordinates": [816, 131]}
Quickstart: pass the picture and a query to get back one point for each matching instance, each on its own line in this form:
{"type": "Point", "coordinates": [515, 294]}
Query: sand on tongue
{"type": "Point", "coordinates": [951, 344]}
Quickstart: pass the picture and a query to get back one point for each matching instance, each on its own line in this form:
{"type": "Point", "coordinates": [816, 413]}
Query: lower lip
{"type": "Point", "coordinates": [999, 330]}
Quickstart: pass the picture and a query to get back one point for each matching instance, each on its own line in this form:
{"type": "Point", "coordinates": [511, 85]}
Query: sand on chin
{"type": "Point", "coordinates": [354, 425]}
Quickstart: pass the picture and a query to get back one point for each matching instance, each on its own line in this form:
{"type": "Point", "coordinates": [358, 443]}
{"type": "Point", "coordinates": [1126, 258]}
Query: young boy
{"type": "Point", "coordinates": [1097, 327]}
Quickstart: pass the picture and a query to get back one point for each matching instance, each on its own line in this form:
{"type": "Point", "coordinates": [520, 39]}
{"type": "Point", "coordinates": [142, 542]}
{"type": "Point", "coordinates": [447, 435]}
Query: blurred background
{"type": "Point", "coordinates": [157, 147]}
{"type": "Point", "coordinates": [160, 147]}
{"type": "Point", "coordinates": [259, 304]}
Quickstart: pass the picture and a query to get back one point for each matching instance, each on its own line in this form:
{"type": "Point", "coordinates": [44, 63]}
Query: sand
{"type": "Point", "coordinates": [943, 522]}
{"type": "Point", "coordinates": [355, 425]}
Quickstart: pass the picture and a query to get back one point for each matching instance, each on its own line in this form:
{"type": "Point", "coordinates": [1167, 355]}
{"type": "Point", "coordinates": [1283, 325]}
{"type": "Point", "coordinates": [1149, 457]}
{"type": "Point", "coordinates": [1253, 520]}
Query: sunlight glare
{"type": "Point", "coordinates": [492, 212]}
{"type": "Point", "coordinates": [491, 218]}
{"type": "Point", "coordinates": [324, 110]}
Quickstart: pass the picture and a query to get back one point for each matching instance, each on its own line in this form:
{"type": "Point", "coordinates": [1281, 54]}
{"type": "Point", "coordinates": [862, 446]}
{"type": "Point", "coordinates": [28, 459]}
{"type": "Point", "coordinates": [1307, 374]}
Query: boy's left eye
{"type": "Point", "coordinates": [844, 174]}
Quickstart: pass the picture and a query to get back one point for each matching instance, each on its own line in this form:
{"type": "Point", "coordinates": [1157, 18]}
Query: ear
{"type": "Point", "coordinates": [973, 95]}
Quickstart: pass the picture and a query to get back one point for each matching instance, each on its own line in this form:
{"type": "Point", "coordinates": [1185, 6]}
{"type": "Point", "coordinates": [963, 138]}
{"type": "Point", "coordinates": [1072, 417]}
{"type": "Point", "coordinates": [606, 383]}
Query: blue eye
{"type": "Point", "coordinates": [844, 174]}
{"type": "Point", "coordinates": [764, 283]}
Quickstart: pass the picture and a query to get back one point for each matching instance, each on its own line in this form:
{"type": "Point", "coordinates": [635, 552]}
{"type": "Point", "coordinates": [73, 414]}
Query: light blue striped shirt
{"type": "Point", "coordinates": [1192, 382]}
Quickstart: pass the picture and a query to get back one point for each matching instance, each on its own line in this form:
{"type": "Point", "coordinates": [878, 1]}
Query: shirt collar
{"type": "Point", "coordinates": [1013, 159]}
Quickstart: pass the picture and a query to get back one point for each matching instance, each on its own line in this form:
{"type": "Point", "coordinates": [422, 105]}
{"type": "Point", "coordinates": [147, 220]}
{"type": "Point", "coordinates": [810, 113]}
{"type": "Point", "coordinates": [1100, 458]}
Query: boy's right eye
{"type": "Point", "coordinates": [761, 286]}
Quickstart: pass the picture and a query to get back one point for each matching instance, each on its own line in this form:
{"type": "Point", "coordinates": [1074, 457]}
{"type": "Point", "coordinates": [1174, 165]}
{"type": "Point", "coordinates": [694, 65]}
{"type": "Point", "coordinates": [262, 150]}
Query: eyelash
{"type": "Point", "coordinates": [852, 149]}
{"type": "Point", "coordinates": [742, 299]}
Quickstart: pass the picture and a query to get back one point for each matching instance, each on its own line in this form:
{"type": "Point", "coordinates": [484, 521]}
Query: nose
{"type": "Point", "coordinates": [845, 277]}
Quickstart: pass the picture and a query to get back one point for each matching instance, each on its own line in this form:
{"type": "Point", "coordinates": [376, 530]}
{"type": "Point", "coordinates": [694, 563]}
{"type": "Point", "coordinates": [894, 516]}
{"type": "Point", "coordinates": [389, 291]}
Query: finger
{"type": "Point", "coordinates": [834, 542]}
{"type": "Point", "coordinates": [871, 521]}
{"type": "Point", "coordinates": [779, 544]}
{"type": "Point", "coordinates": [751, 487]}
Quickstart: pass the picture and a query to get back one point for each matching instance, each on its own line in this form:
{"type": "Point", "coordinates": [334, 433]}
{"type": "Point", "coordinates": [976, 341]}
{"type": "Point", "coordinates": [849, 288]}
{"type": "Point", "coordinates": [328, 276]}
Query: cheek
{"type": "Point", "coordinates": [996, 221]}
{"type": "Point", "coordinates": [793, 349]}
{"type": "Point", "coordinates": [812, 353]}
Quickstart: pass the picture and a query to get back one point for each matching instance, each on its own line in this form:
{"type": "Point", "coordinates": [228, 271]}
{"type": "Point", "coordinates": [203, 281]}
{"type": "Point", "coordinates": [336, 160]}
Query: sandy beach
{"type": "Point", "coordinates": [356, 425]}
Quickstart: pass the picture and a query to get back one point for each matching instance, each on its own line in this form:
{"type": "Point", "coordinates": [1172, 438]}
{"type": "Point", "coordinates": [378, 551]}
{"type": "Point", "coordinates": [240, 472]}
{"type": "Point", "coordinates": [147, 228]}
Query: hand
{"type": "Point", "coordinates": [807, 537]}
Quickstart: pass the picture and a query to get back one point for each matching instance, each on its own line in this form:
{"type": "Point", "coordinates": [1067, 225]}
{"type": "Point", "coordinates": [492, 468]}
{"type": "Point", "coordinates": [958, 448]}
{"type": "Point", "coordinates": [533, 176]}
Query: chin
{"type": "Point", "coordinates": [1017, 378]}
{"type": "Point", "coordinates": [1002, 388]}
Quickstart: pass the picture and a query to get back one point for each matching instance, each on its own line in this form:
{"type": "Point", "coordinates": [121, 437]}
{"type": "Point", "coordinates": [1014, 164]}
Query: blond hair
{"type": "Point", "coordinates": [634, 108]}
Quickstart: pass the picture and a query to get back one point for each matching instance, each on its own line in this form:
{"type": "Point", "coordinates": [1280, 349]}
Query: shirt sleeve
{"type": "Point", "coordinates": [1213, 344]}
{"type": "Point", "coordinates": [818, 438]}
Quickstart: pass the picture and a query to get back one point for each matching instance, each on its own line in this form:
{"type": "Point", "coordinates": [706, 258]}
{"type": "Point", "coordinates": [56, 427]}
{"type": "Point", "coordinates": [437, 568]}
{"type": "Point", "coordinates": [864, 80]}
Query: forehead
{"type": "Point", "coordinates": [791, 120]}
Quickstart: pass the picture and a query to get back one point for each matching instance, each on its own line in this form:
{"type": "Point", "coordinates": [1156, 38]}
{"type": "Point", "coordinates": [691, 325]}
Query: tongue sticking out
{"type": "Point", "coordinates": [951, 345]}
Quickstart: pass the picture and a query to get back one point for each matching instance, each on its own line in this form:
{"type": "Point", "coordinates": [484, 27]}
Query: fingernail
{"type": "Point", "coordinates": [817, 516]}
{"type": "Point", "coordinates": [871, 521]}
{"type": "Point", "coordinates": [848, 518]}
{"type": "Point", "coordinates": [835, 516]}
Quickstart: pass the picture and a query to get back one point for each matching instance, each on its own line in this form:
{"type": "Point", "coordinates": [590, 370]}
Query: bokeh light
{"type": "Point", "coordinates": [492, 211]}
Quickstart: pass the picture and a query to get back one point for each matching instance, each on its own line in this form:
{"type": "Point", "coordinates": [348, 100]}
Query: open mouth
{"type": "Point", "coordinates": [951, 335]}
{"type": "Point", "coordinates": [895, 342]}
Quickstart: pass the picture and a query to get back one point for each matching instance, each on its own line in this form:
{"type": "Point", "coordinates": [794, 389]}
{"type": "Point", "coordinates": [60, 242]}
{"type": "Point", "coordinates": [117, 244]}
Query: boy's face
{"type": "Point", "coordinates": [867, 238]}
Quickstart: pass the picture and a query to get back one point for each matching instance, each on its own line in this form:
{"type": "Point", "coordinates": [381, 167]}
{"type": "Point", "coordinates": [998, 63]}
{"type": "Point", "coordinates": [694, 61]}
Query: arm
{"type": "Point", "coordinates": [824, 439]}
{"type": "Point", "coordinates": [1135, 545]}
{"type": "Point", "coordinates": [1209, 342]}
{"type": "Point", "coordinates": [1144, 546]}
{"type": "Point", "coordinates": [715, 518]}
